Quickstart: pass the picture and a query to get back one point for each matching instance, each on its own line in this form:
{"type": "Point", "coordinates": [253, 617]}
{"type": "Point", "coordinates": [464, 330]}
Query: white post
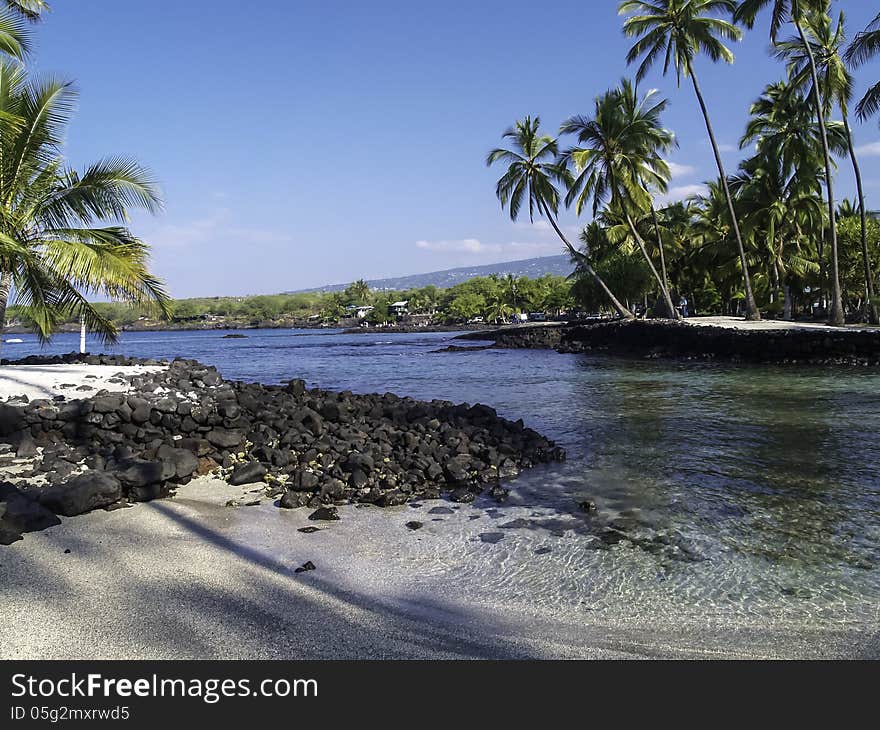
{"type": "Point", "coordinates": [82, 334]}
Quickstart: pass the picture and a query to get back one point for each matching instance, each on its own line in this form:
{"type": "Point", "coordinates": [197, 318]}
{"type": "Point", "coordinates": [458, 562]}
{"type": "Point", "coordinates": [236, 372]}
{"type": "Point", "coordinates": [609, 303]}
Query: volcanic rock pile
{"type": "Point", "coordinates": [306, 447]}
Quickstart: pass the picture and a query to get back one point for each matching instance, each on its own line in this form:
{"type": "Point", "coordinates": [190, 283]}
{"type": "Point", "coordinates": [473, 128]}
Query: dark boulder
{"type": "Point", "coordinates": [295, 387]}
{"type": "Point", "coordinates": [20, 513]}
{"type": "Point", "coordinates": [462, 495]}
{"type": "Point", "coordinates": [11, 419]}
{"type": "Point", "coordinates": [225, 439]}
{"type": "Point", "coordinates": [140, 472]}
{"type": "Point", "coordinates": [292, 499]}
{"type": "Point", "coordinates": [247, 473]}
{"type": "Point", "coordinates": [178, 463]}
{"type": "Point", "coordinates": [82, 493]}
{"type": "Point", "coordinates": [325, 513]}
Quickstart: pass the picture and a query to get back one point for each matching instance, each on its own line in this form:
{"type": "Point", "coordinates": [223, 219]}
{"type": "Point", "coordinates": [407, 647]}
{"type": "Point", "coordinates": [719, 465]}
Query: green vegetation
{"type": "Point", "coordinates": [768, 238]}
{"type": "Point", "coordinates": [56, 246]}
{"type": "Point", "coordinates": [494, 298]}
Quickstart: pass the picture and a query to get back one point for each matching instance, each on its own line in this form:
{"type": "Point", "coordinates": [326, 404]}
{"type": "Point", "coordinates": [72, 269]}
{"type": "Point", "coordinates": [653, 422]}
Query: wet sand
{"type": "Point", "coordinates": [190, 577]}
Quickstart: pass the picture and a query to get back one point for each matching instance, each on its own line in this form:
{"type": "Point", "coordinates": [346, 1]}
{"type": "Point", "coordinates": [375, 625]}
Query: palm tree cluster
{"type": "Point", "coordinates": [768, 237]}
{"type": "Point", "coordinates": [62, 232]}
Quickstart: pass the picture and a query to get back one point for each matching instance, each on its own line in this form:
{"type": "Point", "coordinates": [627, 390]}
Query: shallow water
{"type": "Point", "coordinates": [723, 492]}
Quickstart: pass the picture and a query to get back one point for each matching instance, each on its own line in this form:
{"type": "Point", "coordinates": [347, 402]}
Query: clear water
{"type": "Point", "coordinates": [740, 491]}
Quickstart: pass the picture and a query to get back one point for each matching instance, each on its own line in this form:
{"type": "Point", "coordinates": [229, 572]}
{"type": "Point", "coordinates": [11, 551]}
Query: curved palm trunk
{"type": "Point", "coordinates": [752, 312]}
{"type": "Point", "coordinates": [672, 312]}
{"type": "Point", "coordinates": [836, 316]}
{"type": "Point", "coordinates": [5, 288]}
{"type": "Point", "coordinates": [621, 310]}
{"type": "Point", "coordinates": [870, 308]}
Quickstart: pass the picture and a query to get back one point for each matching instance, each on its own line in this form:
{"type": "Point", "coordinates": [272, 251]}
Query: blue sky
{"type": "Point", "coordinates": [304, 143]}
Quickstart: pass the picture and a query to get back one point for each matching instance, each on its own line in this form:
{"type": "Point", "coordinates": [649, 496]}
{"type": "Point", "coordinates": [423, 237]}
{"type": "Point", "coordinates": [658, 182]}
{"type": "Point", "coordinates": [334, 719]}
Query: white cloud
{"type": "Point", "coordinates": [538, 226]}
{"type": "Point", "coordinates": [465, 245]}
{"type": "Point", "coordinates": [207, 230]}
{"type": "Point", "coordinates": [681, 193]}
{"type": "Point", "coordinates": [681, 170]}
{"type": "Point", "coordinates": [476, 248]}
{"type": "Point", "coordinates": [869, 150]}
{"type": "Point", "coordinates": [722, 146]}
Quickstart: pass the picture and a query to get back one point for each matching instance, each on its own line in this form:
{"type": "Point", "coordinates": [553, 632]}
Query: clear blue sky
{"type": "Point", "coordinates": [304, 143]}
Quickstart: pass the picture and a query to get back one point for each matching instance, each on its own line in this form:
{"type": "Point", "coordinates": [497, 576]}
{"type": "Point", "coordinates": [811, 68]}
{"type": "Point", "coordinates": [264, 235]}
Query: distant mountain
{"type": "Point", "coordinates": [532, 268]}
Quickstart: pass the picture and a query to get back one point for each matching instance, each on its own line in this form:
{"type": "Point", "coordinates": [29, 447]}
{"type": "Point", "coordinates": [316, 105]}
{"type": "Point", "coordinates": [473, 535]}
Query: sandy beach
{"type": "Point", "coordinates": [191, 577]}
{"type": "Point", "coordinates": [212, 573]}
{"type": "Point", "coordinates": [48, 381]}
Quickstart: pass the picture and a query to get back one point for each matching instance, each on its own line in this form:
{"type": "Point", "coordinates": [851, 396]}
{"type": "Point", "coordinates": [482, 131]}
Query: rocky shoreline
{"type": "Point", "coordinates": [681, 341]}
{"type": "Point", "coordinates": [303, 447]}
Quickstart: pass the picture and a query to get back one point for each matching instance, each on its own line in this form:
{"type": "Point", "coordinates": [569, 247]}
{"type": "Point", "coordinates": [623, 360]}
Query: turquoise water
{"type": "Point", "coordinates": [736, 490]}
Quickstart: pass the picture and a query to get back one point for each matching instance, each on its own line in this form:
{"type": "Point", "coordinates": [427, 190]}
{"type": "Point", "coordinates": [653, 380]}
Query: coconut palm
{"type": "Point", "coordinates": [30, 9]}
{"type": "Point", "coordinates": [780, 212]}
{"type": "Point", "coordinates": [864, 47]}
{"type": "Point", "coordinates": [53, 250]}
{"type": "Point", "coordinates": [359, 291]}
{"type": "Point", "coordinates": [783, 125]}
{"type": "Point", "coordinates": [797, 11]}
{"type": "Point", "coordinates": [678, 30]}
{"type": "Point", "coordinates": [836, 87]}
{"type": "Point", "coordinates": [618, 161]}
{"type": "Point", "coordinates": [532, 175]}
{"type": "Point", "coordinates": [847, 208]}
{"type": "Point", "coordinates": [14, 36]}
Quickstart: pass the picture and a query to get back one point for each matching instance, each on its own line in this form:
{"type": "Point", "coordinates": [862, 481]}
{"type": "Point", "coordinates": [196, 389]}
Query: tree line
{"type": "Point", "coordinates": [771, 237]}
{"type": "Point", "coordinates": [494, 298]}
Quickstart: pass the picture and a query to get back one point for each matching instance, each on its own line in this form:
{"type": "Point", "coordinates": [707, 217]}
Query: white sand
{"type": "Point", "coordinates": [47, 381]}
{"type": "Point", "coordinates": [191, 578]}
{"type": "Point", "coordinates": [768, 324]}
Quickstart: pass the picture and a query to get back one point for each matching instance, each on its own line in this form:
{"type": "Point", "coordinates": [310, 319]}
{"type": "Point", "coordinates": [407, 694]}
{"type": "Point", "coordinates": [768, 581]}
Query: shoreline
{"type": "Point", "coordinates": [513, 577]}
{"type": "Point", "coordinates": [230, 590]}
{"type": "Point", "coordinates": [714, 340]}
{"type": "Point", "coordinates": [157, 425]}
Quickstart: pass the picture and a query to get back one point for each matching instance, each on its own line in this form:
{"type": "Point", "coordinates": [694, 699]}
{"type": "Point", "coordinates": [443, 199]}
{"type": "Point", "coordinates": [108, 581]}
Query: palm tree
{"type": "Point", "coordinates": [618, 160]}
{"type": "Point", "coordinates": [678, 30]}
{"type": "Point", "coordinates": [29, 9]}
{"type": "Point", "coordinates": [779, 210]}
{"type": "Point", "coordinates": [863, 48]}
{"type": "Point", "coordinates": [359, 291]}
{"type": "Point", "coordinates": [836, 86]}
{"type": "Point", "coordinates": [783, 125]}
{"type": "Point", "coordinates": [712, 241]}
{"type": "Point", "coordinates": [52, 252]}
{"type": "Point", "coordinates": [850, 209]}
{"type": "Point", "coordinates": [797, 12]}
{"type": "Point", "coordinates": [532, 175]}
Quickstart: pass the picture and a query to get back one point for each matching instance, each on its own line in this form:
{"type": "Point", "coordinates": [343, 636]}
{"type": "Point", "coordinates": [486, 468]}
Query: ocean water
{"type": "Point", "coordinates": [726, 492]}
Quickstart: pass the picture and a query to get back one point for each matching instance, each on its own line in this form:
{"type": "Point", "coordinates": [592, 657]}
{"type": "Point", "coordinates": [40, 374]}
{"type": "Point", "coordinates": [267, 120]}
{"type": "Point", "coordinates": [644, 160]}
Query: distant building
{"type": "Point", "coordinates": [359, 312]}
{"type": "Point", "coordinates": [399, 309]}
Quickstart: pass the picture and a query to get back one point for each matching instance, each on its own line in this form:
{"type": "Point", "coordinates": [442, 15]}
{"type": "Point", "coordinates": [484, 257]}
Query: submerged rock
{"type": "Point", "coordinates": [325, 513]}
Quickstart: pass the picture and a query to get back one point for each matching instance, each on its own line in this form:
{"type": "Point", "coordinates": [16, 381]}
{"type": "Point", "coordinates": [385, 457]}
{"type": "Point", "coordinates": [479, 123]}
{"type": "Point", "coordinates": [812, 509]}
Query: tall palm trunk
{"type": "Point", "coordinates": [616, 197]}
{"type": "Point", "coordinates": [5, 288]}
{"type": "Point", "coordinates": [752, 312]}
{"type": "Point", "coordinates": [836, 315]}
{"type": "Point", "coordinates": [870, 307]}
{"type": "Point", "coordinates": [621, 310]}
{"type": "Point", "coordinates": [672, 312]}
